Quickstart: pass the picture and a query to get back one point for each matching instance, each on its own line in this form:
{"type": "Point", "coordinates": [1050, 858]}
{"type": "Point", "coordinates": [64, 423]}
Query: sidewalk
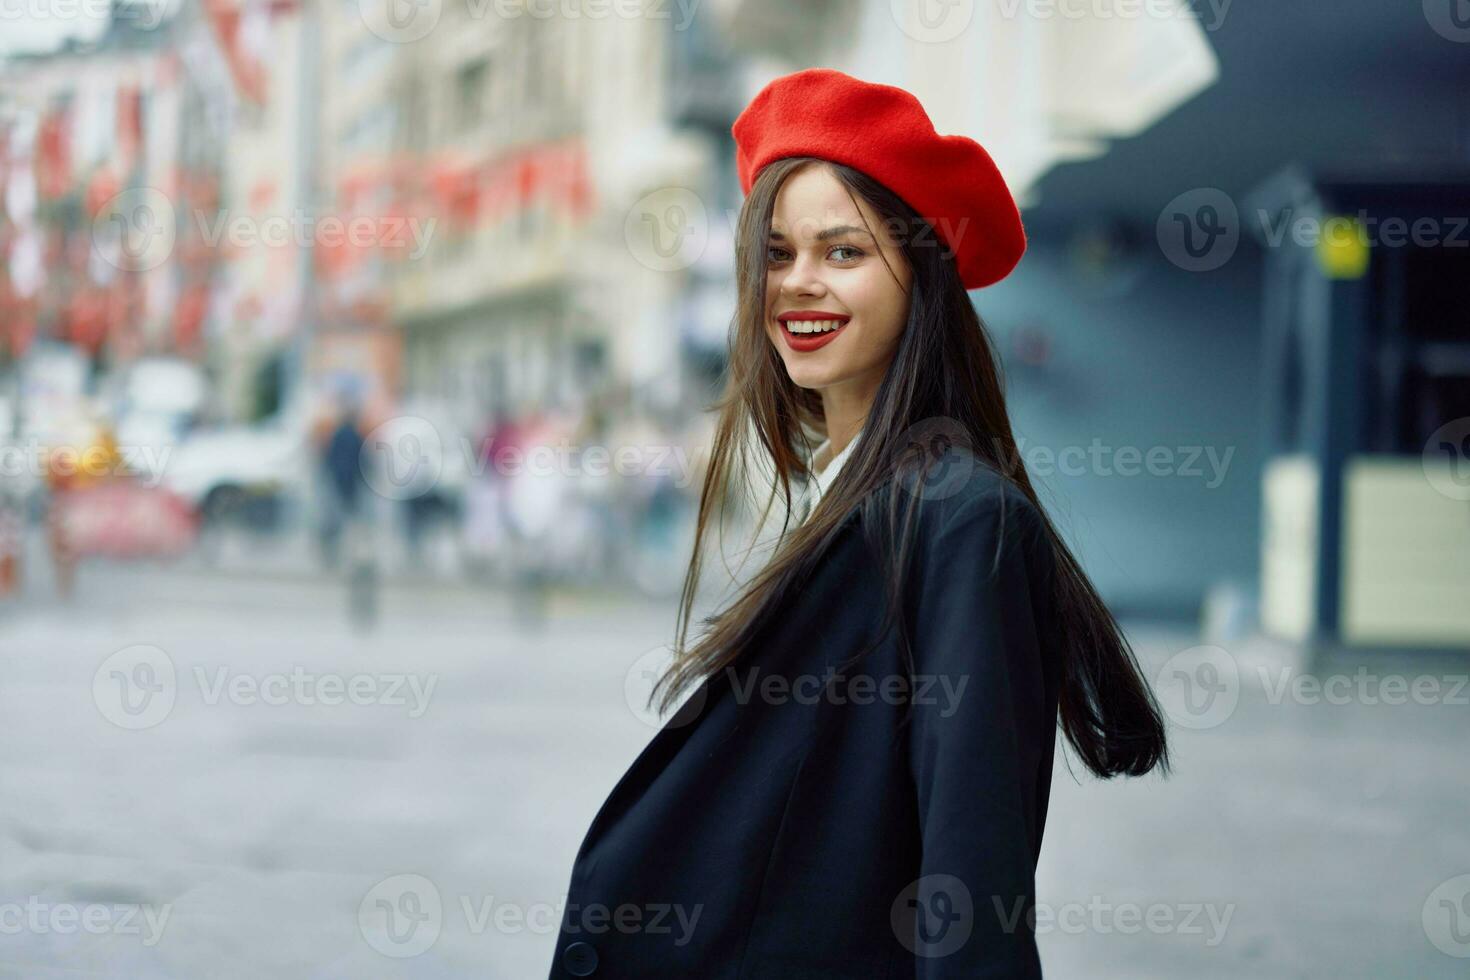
{"type": "Point", "coordinates": [292, 559]}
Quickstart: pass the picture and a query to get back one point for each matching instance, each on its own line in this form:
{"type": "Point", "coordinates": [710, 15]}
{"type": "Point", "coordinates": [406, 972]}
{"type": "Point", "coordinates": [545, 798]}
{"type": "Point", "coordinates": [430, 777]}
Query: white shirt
{"type": "Point", "coordinates": [826, 474]}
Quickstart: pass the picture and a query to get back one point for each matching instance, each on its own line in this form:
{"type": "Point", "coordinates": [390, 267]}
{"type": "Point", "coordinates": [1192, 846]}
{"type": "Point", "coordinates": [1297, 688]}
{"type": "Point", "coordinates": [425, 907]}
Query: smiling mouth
{"type": "Point", "coordinates": [800, 327]}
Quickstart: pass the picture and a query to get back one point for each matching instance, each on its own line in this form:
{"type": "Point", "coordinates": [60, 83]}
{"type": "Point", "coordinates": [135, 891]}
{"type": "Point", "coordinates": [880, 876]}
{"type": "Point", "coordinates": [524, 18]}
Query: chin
{"type": "Point", "coordinates": [810, 376]}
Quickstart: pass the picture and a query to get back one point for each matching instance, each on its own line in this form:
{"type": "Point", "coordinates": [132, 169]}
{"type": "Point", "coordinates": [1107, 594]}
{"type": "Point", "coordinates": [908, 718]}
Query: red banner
{"type": "Point", "coordinates": [189, 316]}
{"type": "Point", "coordinates": [129, 126]}
{"type": "Point", "coordinates": [122, 518]}
{"type": "Point", "coordinates": [248, 71]}
{"type": "Point", "coordinates": [53, 154]}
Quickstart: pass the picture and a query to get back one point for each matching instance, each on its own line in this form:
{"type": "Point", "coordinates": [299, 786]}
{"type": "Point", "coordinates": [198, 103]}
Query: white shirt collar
{"type": "Point", "coordinates": [829, 472]}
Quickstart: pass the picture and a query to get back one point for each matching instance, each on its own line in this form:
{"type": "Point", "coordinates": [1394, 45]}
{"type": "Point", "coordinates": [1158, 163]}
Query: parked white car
{"type": "Point", "coordinates": [239, 472]}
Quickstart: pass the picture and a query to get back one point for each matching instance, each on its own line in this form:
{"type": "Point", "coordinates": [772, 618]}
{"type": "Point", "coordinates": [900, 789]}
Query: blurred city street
{"type": "Point", "coordinates": [265, 825]}
{"type": "Point", "coordinates": [369, 371]}
{"type": "Point", "coordinates": [262, 829]}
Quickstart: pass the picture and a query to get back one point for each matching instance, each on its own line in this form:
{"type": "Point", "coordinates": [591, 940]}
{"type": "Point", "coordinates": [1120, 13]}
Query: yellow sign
{"type": "Point", "coordinates": [1342, 249]}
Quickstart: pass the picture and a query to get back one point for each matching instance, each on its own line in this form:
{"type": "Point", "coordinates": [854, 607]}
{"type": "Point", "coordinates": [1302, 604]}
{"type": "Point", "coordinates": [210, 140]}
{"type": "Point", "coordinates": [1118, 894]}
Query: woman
{"type": "Point", "coordinates": [856, 783]}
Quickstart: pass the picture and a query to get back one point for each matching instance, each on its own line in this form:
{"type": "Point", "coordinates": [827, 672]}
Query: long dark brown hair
{"type": "Point", "coordinates": [945, 369]}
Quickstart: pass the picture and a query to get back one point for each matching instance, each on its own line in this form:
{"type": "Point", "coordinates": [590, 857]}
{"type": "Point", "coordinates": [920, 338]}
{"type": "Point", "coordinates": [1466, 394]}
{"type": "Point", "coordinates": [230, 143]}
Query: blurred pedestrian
{"type": "Point", "coordinates": [535, 500]}
{"type": "Point", "coordinates": [71, 469]}
{"type": "Point", "coordinates": [485, 531]}
{"type": "Point", "coordinates": [350, 512]}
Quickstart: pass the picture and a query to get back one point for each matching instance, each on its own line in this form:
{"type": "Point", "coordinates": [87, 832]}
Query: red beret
{"type": "Point", "coordinates": [884, 132]}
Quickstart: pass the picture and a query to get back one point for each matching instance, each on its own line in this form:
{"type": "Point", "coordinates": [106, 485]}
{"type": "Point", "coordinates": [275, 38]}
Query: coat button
{"type": "Point", "coordinates": [580, 959]}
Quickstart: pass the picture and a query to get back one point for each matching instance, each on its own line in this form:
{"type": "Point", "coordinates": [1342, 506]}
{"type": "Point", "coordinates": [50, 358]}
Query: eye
{"type": "Point", "coordinates": [841, 253]}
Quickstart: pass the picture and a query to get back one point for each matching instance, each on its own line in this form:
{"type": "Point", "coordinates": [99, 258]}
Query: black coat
{"type": "Point", "coordinates": [769, 832]}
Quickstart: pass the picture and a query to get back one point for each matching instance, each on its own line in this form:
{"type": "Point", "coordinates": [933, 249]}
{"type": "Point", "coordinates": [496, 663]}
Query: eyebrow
{"type": "Point", "coordinates": [827, 233]}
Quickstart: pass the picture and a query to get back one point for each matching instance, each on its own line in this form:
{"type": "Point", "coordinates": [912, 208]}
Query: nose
{"type": "Point", "coordinates": [804, 276]}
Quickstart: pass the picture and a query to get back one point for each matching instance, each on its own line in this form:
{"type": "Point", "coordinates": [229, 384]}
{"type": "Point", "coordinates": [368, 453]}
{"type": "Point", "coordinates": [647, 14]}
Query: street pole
{"type": "Point", "coordinates": [304, 183]}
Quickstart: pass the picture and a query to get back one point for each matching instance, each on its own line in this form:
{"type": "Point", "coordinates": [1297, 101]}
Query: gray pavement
{"type": "Point", "coordinates": [225, 822]}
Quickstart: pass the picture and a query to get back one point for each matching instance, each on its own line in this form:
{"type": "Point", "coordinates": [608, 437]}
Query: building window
{"type": "Point", "coordinates": [415, 114]}
{"type": "Point", "coordinates": [544, 65]}
{"type": "Point", "coordinates": [529, 224]}
{"type": "Point", "coordinates": [470, 93]}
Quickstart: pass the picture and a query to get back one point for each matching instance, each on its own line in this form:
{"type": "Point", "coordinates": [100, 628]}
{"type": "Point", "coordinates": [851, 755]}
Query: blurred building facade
{"type": "Point", "coordinates": [139, 171]}
{"type": "Point", "coordinates": [445, 220]}
{"type": "Point", "coordinates": [72, 125]}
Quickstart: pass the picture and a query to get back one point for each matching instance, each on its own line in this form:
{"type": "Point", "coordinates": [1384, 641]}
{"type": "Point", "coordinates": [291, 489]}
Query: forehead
{"type": "Point", "coordinates": [812, 200]}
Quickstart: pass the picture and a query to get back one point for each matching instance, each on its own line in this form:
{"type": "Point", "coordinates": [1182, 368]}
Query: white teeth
{"type": "Point", "coordinates": [813, 326]}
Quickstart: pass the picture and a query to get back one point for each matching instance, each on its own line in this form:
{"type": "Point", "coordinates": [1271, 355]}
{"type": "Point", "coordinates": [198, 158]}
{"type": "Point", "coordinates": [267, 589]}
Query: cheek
{"type": "Point", "coordinates": [884, 310]}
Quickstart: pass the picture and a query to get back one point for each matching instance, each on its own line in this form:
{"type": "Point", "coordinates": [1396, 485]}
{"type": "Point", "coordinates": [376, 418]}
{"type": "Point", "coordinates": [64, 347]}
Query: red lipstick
{"type": "Point", "coordinates": [810, 341]}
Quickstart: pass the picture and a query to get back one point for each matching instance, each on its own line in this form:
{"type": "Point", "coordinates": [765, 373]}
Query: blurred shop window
{"type": "Point", "coordinates": [415, 102]}
{"type": "Point", "coordinates": [590, 360]}
{"type": "Point", "coordinates": [544, 65]}
{"type": "Point", "coordinates": [1293, 402]}
{"type": "Point", "coordinates": [369, 131]}
{"type": "Point", "coordinates": [1424, 343]}
{"type": "Point", "coordinates": [268, 388]}
{"type": "Point", "coordinates": [530, 222]}
{"type": "Point", "coordinates": [535, 67]}
{"type": "Point", "coordinates": [454, 245]}
{"type": "Point", "coordinates": [369, 54]}
{"type": "Point", "coordinates": [470, 84]}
